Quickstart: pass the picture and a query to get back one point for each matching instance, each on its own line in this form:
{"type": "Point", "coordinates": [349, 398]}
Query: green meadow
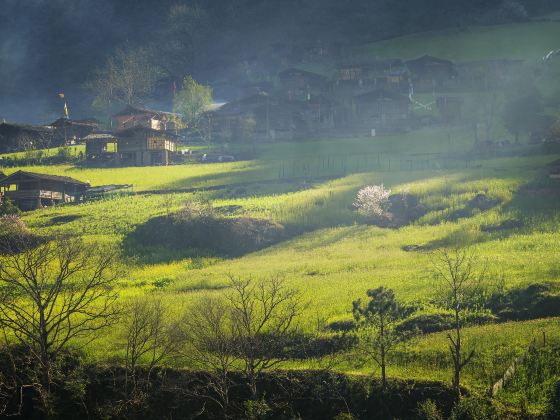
{"type": "Point", "coordinates": [336, 257]}
{"type": "Point", "coordinates": [333, 257]}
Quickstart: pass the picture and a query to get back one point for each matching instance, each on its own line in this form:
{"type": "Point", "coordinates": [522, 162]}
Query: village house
{"type": "Point", "coordinates": [431, 74]}
{"type": "Point", "coordinates": [356, 78]}
{"type": "Point", "coordinates": [133, 116]}
{"type": "Point", "coordinates": [254, 117]}
{"type": "Point", "coordinates": [17, 137]}
{"type": "Point", "coordinates": [300, 85]}
{"type": "Point", "coordinates": [144, 146]}
{"type": "Point", "coordinates": [263, 117]}
{"type": "Point", "coordinates": [29, 190]}
{"type": "Point", "coordinates": [67, 131]}
{"type": "Point", "coordinates": [378, 111]}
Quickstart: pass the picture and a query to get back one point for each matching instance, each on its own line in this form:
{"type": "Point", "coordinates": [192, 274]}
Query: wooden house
{"type": "Point", "coordinates": [133, 116]}
{"type": "Point", "coordinates": [144, 146]}
{"type": "Point", "coordinates": [29, 190]}
{"type": "Point", "coordinates": [16, 137]}
{"type": "Point", "coordinates": [263, 117]}
{"type": "Point", "coordinates": [431, 73]}
{"type": "Point", "coordinates": [377, 111]}
{"type": "Point", "coordinates": [68, 131]}
{"type": "Point", "coordinates": [101, 147]}
{"type": "Point", "coordinates": [389, 74]}
{"type": "Point", "coordinates": [300, 85]}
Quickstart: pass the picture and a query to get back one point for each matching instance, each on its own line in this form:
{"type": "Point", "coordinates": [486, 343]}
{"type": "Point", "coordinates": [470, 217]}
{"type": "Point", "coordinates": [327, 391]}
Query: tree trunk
{"type": "Point", "coordinates": [44, 350]}
{"type": "Point", "coordinates": [383, 373]}
{"type": "Point", "coordinates": [457, 373]}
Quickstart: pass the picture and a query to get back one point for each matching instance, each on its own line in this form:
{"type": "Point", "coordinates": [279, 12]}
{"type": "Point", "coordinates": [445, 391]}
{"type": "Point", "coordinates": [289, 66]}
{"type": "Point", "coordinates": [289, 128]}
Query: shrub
{"type": "Point", "coordinates": [474, 408]}
{"type": "Point", "coordinates": [553, 408]}
{"type": "Point", "coordinates": [199, 229]}
{"type": "Point", "coordinates": [14, 235]}
{"type": "Point", "coordinates": [428, 410]}
{"type": "Point", "coordinates": [372, 201]}
{"type": "Point", "coordinates": [7, 207]}
{"type": "Point", "coordinates": [537, 300]}
{"type": "Point", "coordinates": [441, 321]}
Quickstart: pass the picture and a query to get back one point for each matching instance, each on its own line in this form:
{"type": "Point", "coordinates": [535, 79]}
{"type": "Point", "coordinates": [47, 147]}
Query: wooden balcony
{"type": "Point", "coordinates": [34, 194]}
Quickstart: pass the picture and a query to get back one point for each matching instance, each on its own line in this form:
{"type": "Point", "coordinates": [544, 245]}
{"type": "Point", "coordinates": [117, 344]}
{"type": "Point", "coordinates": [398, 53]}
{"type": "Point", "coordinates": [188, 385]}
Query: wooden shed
{"type": "Point", "coordinates": [100, 147]}
{"type": "Point", "coordinates": [29, 190]}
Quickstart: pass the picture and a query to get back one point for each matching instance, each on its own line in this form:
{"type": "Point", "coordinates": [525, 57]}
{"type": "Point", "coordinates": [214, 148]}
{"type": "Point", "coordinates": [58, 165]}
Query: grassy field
{"type": "Point", "coordinates": [338, 258]}
{"type": "Point", "coordinates": [526, 41]}
{"type": "Point", "coordinates": [335, 258]}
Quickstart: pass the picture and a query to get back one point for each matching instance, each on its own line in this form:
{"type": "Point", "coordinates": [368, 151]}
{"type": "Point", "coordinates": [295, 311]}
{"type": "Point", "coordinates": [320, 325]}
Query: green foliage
{"type": "Point", "coordinates": [191, 101]}
{"type": "Point", "coordinates": [475, 408]}
{"type": "Point", "coordinates": [257, 409]}
{"type": "Point", "coordinates": [428, 410]}
{"type": "Point", "coordinates": [535, 376]}
{"type": "Point", "coordinates": [195, 228]}
{"type": "Point", "coordinates": [376, 321]}
{"type": "Point", "coordinates": [538, 300]}
{"type": "Point", "coordinates": [434, 321]}
{"type": "Point", "coordinates": [7, 207]}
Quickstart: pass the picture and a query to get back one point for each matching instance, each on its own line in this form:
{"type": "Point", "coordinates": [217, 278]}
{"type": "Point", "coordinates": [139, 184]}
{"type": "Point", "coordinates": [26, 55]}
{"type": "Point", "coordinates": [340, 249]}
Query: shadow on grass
{"type": "Point", "coordinates": [533, 207]}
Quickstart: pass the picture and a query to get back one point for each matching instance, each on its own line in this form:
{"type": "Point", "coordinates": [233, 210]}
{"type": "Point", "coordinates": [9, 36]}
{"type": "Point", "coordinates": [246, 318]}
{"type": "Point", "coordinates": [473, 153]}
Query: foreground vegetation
{"type": "Point", "coordinates": [330, 253]}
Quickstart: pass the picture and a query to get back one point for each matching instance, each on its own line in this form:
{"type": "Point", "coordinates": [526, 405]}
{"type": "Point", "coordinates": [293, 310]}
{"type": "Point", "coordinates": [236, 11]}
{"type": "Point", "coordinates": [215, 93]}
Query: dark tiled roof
{"type": "Point", "coordinates": [56, 178]}
{"type": "Point", "coordinates": [134, 110]}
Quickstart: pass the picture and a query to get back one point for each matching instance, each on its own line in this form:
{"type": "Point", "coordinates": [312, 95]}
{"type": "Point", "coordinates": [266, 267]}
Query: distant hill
{"type": "Point", "coordinates": [527, 41]}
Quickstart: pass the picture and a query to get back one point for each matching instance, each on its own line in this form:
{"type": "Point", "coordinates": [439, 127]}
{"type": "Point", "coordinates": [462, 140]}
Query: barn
{"type": "Point", "coordinates": [30, 190]}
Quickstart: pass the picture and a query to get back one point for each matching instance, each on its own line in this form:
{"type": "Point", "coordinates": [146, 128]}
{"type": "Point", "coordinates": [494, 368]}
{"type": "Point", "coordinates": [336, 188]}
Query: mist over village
{"type": "Point", "coordinates": [265, 209]}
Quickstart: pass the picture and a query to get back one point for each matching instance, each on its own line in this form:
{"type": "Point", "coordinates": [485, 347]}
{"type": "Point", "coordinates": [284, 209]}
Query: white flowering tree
{"type": "Point", "coordinates": [372, 200]}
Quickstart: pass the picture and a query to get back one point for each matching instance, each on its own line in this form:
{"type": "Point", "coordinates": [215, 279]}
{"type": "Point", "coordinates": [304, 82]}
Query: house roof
{"type": "Point", "coordinates": [256, 102]}
{"type": "Point", "coordinates": [373, 64]}
{"type": "Point", "coordinates": [55, 178]}
{"type": "Point", "coordinates": [67, 122]}
{"type": "Point", "coordinates": [25, 127]}
{"type": "Point", "coordinates": [301, 73]}
{"type": "Point", "coordinates": [99, 136]}
{"type": "Point", "coordinates": [134, 110]}
{"type": "Point", "coordinates": [381, 94]}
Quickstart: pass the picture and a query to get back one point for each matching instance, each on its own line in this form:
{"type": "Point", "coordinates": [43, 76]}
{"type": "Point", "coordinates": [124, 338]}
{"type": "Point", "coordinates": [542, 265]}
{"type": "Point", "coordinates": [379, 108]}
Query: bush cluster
{"type": "Point", "coordinates": [197, 228]}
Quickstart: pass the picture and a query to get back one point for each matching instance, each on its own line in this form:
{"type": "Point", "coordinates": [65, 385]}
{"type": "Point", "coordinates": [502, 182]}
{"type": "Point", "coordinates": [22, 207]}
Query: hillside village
{"type": "Point", "coordinates": [369, 98]}
{"type": "Point", "coordinates": [366, 98]}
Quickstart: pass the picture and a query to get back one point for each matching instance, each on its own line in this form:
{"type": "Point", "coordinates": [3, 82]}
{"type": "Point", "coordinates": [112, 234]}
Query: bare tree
{"type": "Point", "coordinates": [459, 275]}
{"type": "Point", "coordinates": [210, 333]}
{"type": "Point", "coordinates": [128, 77]}
{"type": "Point", "coordinates": [264, 315]}
{"type": "Point", "coordinates": [55, 292]}
{"type": "Point", "coordinates": [151, 336]}
{"type": "Point", "coordinates": [376, 321]}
